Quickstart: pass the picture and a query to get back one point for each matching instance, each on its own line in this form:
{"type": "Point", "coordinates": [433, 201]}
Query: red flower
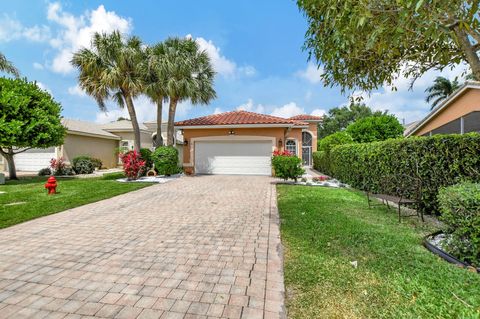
{"type": "Point", "coordinates": [132, 164]}
{"type": "Point", "coordinates": [282, 153]}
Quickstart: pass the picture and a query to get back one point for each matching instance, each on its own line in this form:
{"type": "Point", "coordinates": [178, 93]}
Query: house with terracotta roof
{"type": "Point", "coordinates": [241, 142]}
{"type": "Point", "coordinates": [458, 114]}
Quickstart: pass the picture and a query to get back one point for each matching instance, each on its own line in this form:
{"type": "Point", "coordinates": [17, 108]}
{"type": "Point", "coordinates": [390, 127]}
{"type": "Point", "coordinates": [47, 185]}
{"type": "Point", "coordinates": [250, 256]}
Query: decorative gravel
{"type": "Point", "coordinates": [151, 179]}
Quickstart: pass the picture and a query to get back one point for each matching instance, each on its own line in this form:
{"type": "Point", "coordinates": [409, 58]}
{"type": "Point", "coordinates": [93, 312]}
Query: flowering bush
{"type": "Point", "coordinates": [321, 178]}
{"type": "Point", "coordinates": [133, 164]}
{"type": "Point", "coordinates": [58, 166]}
{"type": "Point", "coordinates": [286, 165]}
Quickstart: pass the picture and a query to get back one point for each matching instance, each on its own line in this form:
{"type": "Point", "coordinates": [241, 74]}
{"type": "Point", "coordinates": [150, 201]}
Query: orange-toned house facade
{"type": "Point", "coordinates": [458, 114]}
{"type": "Point", "coordinates": [228, 136]}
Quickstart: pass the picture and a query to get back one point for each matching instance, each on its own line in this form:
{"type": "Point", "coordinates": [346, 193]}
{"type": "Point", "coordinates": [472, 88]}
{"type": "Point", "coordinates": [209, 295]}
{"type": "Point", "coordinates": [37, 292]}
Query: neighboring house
{"type": "Point", "coordinates": [100, 141]}
{"type": "Point", "coordinates": [458, 114]}
{"type": "Point", "coordinates": [409, 127]}
{"type": "Point", "coordinates": [241, 142]}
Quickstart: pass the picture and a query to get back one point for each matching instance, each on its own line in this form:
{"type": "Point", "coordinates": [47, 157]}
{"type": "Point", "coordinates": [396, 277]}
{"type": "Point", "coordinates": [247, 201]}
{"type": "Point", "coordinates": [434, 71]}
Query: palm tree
{"type": "Point", "coordinates": [440, 90]}
{"type": "Point", "coordinates": [112, 70]}
{"type": "Point", "coordinates": [190, 77]}
{"type": "Point", "coordinates": [7, 66]}
{"type": "Point", "coordinates": [155, 83]}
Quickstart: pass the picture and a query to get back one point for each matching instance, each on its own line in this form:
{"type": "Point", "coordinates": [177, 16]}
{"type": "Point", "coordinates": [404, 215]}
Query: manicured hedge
{"type": "Point", "coordinates": [437, 161]}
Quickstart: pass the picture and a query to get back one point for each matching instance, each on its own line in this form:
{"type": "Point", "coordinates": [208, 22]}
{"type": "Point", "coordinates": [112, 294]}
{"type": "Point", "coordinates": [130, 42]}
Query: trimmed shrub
{"type": "Point", "coordinates": [439, 160]}
{"type": "Point", "coordinates": [58, 166]}
{"type": "Point", "coordinates": [460, 208]}
{"type": "Point", "coordinates": [146, 155]}
{"type": "Point", "coordinates": [83, 165]}
{"type": "Point", "coordinates": [325, 145]}
{"type": "Point", "coordinates": [45, 171]}
{"type": "Point", "coordinates": [97, 162]}
{"type": "Point", "coordinates": [330, 141]}
{"type": "Point", "coordinates": [287, 166]}
{"type": "Point", "coordinates": [375, 128]}
{"type": "Point", "coordinates": [166, 160]}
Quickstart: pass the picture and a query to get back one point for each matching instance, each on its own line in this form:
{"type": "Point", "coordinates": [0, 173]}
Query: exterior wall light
{"type": "Point", "coordinates": [231, 132]}
{"type": "Point", "coordinates": [280, 143]}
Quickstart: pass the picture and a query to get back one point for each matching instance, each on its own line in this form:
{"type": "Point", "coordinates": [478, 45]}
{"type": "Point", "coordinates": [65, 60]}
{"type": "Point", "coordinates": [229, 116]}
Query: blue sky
{"type": "Point", "coordinates": [255, 46]}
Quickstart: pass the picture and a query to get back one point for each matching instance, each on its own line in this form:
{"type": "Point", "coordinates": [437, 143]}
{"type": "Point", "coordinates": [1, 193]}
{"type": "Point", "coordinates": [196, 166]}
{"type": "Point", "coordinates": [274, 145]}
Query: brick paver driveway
{"type": "Point", "coordinates": [201, 247]}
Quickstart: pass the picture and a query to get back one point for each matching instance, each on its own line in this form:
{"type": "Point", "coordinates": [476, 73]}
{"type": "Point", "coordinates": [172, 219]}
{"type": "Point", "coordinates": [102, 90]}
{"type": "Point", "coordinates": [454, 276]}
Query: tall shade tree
{"type": "Point", "coordinates": [366, 44]}
{"type": "Point", "coordinates": [190, 77]}
{"type": "Point", "coordinates": [440, 90]}
{"type": "Point", "coordinates": [7, 66]}
{"type": "Point", "coordinates": [30, 118]}
{"type": "Point", "coordinates": [155, 86]}
{"type": "Point", "coordinates": [111, 69]}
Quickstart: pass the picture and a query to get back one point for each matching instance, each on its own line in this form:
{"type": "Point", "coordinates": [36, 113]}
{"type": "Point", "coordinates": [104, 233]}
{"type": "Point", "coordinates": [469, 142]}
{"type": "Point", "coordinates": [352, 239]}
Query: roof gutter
{"type": "Point", "coordinates": [192, 127]}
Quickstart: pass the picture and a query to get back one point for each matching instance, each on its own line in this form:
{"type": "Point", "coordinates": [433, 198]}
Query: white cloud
{"type": "Point", "coordinates": [44, 87]}
{"type": "Point", "coordinates": [12, 29]}
{"type": "Point", "coordinates": [221, 64]}
{"type": "Point", "coordinates": [288, 110]}
{"type": "Point", "coordinates": [76, 90]}
{"type": "Point", "coordinates": [37, 66]}
{"type": "Point", "coordinates": [409, 105]}
{"type": "Point", "coordinates": [76, 31]}
{"type": "Point", "coordinates": [217, 110]}
{"type": "Point", "coordinates": [312, 73]}
{"type": "Point", "coordinates": [251, 107]}
{"type": "Point", "coordinates": [318, 112]}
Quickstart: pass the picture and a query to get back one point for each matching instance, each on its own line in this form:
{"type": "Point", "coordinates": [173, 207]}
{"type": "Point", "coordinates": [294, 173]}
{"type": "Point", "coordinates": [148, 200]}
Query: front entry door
{"type": "Point", "coordinates": [307, 155]}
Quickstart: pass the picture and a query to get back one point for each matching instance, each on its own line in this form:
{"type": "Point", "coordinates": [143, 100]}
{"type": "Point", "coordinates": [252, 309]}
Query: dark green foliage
{"type": "Point", "coordinates": [166, 160]}
{"type": "Point", "coordinates": [287, 167]}
{"type": "Point", "coordinates": [460, 208]}
{"type": "Point", "coordinates": [338, 118]}
{"type": "Point", "coordinates": [44, 171]}
{"type": "Point", "coordinates": [29, 116]}
{"type": "Point", "coordinates": [83, 165]}
{"type": "Point", "coordinates": [375, 128]}
{"type": "Point", "coordinates": [332, 140]}
{"type": "Point", "coordinates": [97, 162]}
{"type": "Point", "coordinates": [440, 160]}
{"type": "Point", "coordinates": [146, 155]}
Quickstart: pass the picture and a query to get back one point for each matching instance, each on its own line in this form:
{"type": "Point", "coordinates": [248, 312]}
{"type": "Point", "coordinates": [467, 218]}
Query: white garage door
{"type": "Point", "coordinates": [35, 159]}
{"type": "Point", "coordinates": [233, 157]}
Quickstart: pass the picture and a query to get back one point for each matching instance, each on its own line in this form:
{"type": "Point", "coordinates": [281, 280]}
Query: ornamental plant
{"type": "Point", "coordinates": [58, 166]}
{"type": "Point", "coordinates": [460, 208]}
{"type": "Point", "coordinates": [133, 164]}
{"type": "Point", "coordinates": [286, 165]}
{"type": "Point", "coordinates": [166, 160]}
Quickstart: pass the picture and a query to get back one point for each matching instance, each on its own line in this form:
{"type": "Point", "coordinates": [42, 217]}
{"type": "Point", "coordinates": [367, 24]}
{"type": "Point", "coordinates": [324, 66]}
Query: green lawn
{"type": "Point", "coordinates": [324, 229]}
{"type": "Point", "coordinates": [30, 199]}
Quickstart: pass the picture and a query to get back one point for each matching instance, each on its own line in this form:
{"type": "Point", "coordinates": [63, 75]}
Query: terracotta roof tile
{"type": "Point", "coordinates": [306, 117]}
{"type": "Point", "coordinates": [238, 118]}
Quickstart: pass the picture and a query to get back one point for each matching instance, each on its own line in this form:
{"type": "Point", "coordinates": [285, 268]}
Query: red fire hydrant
{"type": "Point", "coordinates": [51, 185]}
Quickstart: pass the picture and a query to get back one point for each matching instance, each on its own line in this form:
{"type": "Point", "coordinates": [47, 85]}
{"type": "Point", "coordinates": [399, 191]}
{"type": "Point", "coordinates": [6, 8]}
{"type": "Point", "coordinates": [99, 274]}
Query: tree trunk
{"type": "Point", "coordinates": [133, 119]}
{"type": "Point", "coordinates": [469, 51]}
{"type": "Point", "coordinates": [171, 120]}
{"type": "Point", "coordinates": [12, 172]}
{"type": "Point", "coordinates": [159, 138]}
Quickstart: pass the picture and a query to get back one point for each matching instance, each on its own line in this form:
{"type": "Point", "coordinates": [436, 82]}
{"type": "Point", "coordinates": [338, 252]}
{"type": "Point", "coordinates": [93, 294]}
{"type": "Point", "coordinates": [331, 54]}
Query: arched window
{"type": "Point", "coordinates": [291, 146]}
{"type": "Point", "coordinates": [306, 139]}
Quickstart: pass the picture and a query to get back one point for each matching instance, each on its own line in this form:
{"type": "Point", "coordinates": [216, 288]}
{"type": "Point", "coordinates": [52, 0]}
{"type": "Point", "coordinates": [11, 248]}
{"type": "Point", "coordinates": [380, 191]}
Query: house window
{"type": "Point", "coordinates": [126, 146]}
{"type": "Point", "coordinates": [291, 146]}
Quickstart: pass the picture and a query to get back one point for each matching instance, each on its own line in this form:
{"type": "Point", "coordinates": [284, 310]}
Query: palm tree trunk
{"type": "Point", "coordinates": [133, 119]}
{"type": "Point", "coordinates": [159, 138]}
{"type": "Point", "coordinates": [12, 172]}
{"type": "Point", "coordinates": [171, 120]}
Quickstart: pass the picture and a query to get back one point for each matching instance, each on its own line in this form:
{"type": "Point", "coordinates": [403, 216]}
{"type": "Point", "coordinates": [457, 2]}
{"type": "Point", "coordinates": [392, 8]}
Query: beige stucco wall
{"type": "Point", "coordinates": [101, 148]}
{"type": "Point", "coordinates": [462, 105]}
{"type": "Point", "coordinates": [145, 138]}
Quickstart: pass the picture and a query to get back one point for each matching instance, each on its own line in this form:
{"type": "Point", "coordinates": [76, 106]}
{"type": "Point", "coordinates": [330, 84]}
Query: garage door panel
{"type": "Point", "coordinates": [33, 162]}
{"type": "Point", "coordinates": [245, 157]}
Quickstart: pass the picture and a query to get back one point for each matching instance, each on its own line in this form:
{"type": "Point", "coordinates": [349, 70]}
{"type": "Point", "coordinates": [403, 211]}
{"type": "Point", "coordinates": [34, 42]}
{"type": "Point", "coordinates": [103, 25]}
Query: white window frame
{"type": "Point", "coordinates": [295, 152]}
